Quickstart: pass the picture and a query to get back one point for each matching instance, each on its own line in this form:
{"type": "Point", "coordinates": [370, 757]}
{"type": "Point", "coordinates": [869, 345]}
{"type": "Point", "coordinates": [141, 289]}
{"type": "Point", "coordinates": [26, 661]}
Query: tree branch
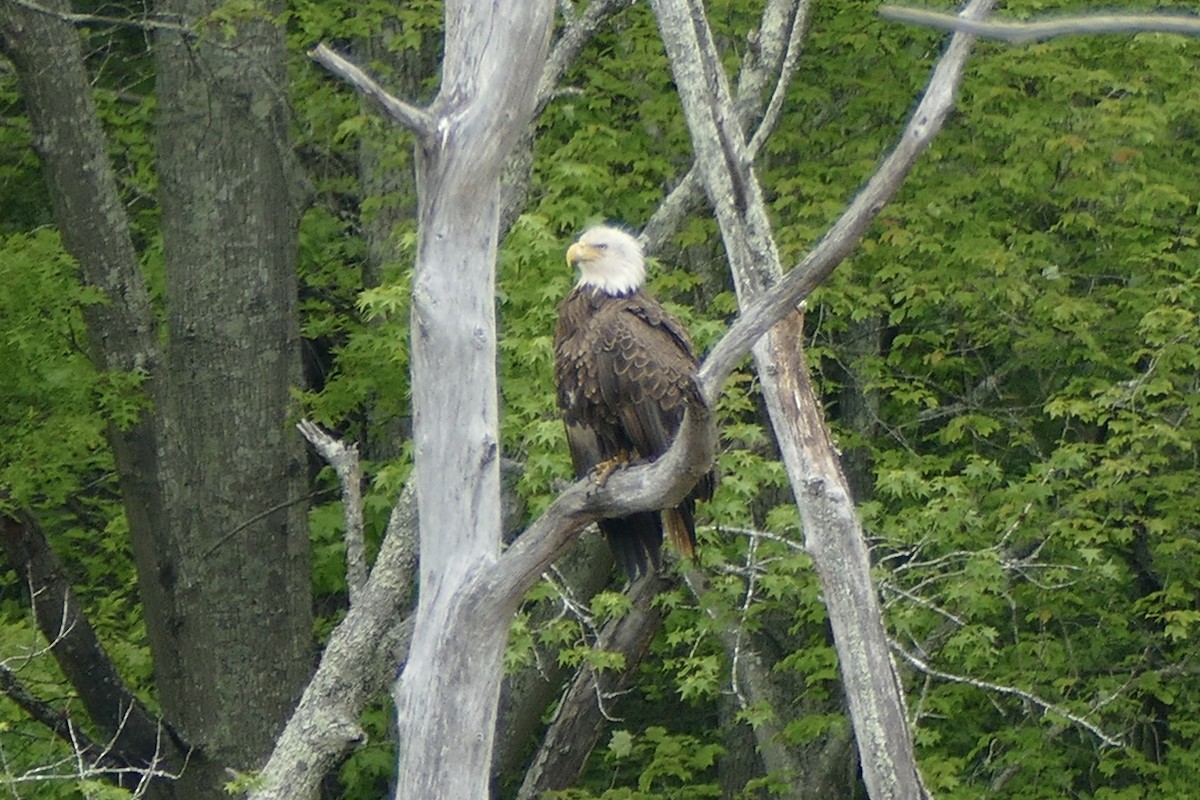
{"type": "Point", "coordinates": [784, 19]}
{"type": "Point", "coordinates": [135, 733]}
{"type": "Point", "coordinates": [637, 488]}
{"type": "Point", "coordinates": [58, 721]}
{"type": "Point", "coordinates": [832, 530]}
{"type": "Point", "coordinates": [988, 686]}
{"type": "Point", "coordinates": [846, 232]}
{"type": "Point", "coordinates": [1025, 32]}
{"type": "Point", "coordinates": [345, 463]}
{"type": "Point", "coordinates": [576, 33]}
{"type": "Point", "coordinates": [417, 120]}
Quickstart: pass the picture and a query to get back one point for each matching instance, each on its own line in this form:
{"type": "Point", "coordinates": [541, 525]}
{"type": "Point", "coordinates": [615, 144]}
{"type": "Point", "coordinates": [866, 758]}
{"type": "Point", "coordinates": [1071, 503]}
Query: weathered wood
{"type": "Point", "coordinates": [830, 523]}
{"type": "Point", "coordinates": [446, 698]}
{"type": "Point", "coordinates": [1025, 31]}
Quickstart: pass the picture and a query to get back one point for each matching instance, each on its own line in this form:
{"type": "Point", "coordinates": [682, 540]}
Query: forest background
{"type": "Point", "coordinates": [1009, 363]}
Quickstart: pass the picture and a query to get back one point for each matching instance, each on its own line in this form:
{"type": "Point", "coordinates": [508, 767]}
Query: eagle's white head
{"type": "Point", "coordinates": [609, 259]}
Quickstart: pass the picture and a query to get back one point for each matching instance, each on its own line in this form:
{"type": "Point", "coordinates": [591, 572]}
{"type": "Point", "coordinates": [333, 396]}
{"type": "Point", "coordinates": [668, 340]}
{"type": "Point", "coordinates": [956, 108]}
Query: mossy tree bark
{"type": "Point", "coordinates": [211, 474]}
{"type": "Point", "coordinates": [233, 649]}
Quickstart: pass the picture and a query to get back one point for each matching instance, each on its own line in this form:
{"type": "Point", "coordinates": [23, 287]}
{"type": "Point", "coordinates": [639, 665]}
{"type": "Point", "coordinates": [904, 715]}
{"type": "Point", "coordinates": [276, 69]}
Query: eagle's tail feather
{"type": "Point", "coordinates": [680, 523]}
{"type": "Point", "coordinates": [635, 541]}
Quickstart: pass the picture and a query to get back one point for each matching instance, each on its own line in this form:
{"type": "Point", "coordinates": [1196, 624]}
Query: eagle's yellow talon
{"type": "Point", "coordinates": [604, 470]}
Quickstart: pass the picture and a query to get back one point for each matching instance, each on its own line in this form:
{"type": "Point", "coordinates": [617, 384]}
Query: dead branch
{"type": "Point", "coordinates": [417, 120]}
{"type": "Point", "coordinates": [1038, 30]}
{"type": "Point", "coordinates": [345, 463]}
{"type": "Point", "coordinates": [988, 686]}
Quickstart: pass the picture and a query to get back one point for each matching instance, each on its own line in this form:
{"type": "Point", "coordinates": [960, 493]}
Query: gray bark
{"type": "Point", "coordinates": [452, 679]}
{"type": "Point", "coordinates": [232, 642]}
{"type": "Point", "coordinates": [832, 531]}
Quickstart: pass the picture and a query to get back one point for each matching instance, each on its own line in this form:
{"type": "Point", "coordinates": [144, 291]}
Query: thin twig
{"type": "Point", "coordinates": [217, 545]}
{"type": "Point", "coordinates": [923, 666]}
{"type": "Point", "coordinates": [144, 23]}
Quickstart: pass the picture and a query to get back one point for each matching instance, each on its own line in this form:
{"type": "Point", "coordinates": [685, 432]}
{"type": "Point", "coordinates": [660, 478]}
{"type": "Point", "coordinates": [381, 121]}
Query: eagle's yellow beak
{"type": "Point", "coordinates": [580, 252]}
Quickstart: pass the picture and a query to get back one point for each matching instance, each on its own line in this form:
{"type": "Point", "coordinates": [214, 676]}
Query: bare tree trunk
{"type": "Point", "coordinates": [447, 696]}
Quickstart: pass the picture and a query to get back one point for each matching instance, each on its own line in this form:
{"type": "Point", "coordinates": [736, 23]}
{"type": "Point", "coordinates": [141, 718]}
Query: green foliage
{"type": "Point", "coordinates": [371, 768]}
{"type": "Point", "coordinates": [24, 201]}
{"type": "Point", "coordinates": [52, 438]}
{"type": "Point", "coordinates": [1021, 326]}
{"type": "Point", "coordinates": [671, 766]}
{"type": "Point", "coordinates": [1034, 291]}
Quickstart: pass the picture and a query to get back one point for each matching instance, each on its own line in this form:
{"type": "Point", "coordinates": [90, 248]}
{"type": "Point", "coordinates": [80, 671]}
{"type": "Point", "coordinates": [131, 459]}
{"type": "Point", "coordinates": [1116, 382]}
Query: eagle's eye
{"type": "Point", "coordinates": [601, 245]}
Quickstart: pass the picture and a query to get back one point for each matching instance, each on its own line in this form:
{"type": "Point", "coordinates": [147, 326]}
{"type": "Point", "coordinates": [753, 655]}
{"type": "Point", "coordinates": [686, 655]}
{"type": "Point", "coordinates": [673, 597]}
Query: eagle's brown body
{"type": "Point", "coordinates": [625, 370]}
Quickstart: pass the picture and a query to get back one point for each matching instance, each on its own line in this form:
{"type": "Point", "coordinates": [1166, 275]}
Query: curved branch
{"type": "Point", "coordinates": [1024, 32]}
{"type": "Point", "coordinates": [417, 120]}
{"type": "Point", "coordinates": [638, 488]}
{"type": "Point", "coordinates": [844, 234]}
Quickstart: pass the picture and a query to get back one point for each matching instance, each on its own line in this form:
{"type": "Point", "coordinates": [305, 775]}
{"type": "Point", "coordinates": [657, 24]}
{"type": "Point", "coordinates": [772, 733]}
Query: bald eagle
{"type": "Point", "coordinates": [625, 370]}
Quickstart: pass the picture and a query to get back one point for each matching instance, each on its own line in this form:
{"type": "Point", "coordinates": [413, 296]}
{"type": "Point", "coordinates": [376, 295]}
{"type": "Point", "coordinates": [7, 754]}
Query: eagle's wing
{"type": "Point", "coordinates": [645, 372]}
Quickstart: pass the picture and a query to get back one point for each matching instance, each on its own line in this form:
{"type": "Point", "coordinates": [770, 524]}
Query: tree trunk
{"type": "Point", "coordinates": [211, 476]}
{"type": "Point", "coordinates": [832, 531]}
{"type": "Point", "coordinates": [233, 645]}
{"type": "Point", "coordinates": [447, 696]}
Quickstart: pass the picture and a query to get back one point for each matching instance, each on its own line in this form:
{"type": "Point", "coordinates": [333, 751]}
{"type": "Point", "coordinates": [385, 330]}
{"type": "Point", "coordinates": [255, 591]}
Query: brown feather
{"type": "Point", "coordinates": [625, 370]}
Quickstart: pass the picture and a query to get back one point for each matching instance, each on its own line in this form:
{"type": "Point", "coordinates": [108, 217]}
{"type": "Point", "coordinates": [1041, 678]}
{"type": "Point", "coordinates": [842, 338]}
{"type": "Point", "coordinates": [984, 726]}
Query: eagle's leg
{"type": "Point", "coordinates": [602, 471]}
